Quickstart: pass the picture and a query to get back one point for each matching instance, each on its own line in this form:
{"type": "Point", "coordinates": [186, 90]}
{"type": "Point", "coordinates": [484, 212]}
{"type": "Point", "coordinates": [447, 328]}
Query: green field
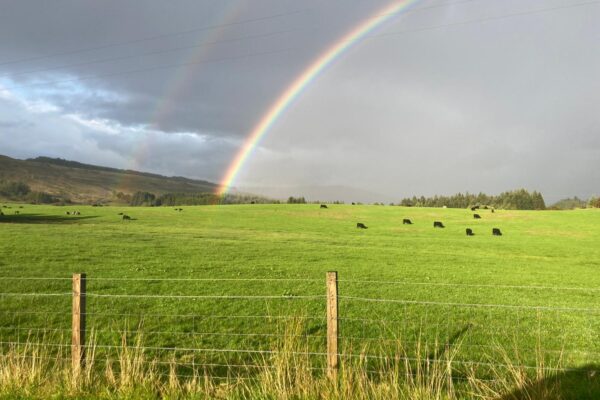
{"type": "Point", "coordinates": [537, 286]}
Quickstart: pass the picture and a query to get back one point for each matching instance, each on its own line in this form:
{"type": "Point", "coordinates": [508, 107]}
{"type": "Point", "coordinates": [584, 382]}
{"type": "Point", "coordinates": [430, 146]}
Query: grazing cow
{"type": "Point", "coordinates": [126, 217]}
{"type": "Point", "coordinates": [323, 205]}
{"type": "Point", "coordinates": [470, 232]}
{"type": "Point", "coordinates": [353, 203]}
{"type": "Point", "coordinates": [493, 210]}
{"type": "Point", "coordinates": [360, 225]}
{"type": "Point", "coordinates": [120, 213]}
{"type": "Point", "coordinates": [406, 221]}
{"type": "Point", "coordinates": [438, 224]}
{"type": "Point", "coordinates": [76, 213]}
{"type": "Point", "coordinates": [474, 208]}
{"type": "Point", "coordinates": [496, 232]}
{"type": "Point", "coordinates": [68, 213]}
{"type": "Point", "coordinates": [476, 216]}
{"type": "Point", "coordinates": [485, 207]}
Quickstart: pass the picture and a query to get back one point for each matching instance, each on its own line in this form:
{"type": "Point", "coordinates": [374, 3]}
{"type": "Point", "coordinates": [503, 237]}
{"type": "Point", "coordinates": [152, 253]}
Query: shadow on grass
{"type": "Point", "coordinates": [581, 383]}
{"type": "Point", "coordinates": [450, 343]}
{"type": "Point", "coordinates": [42, 219]}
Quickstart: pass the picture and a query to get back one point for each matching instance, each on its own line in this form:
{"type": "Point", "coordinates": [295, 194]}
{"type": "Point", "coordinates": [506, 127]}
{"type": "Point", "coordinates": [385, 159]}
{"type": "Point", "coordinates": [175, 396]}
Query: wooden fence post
{"type": "Point", "coordinates": [332, 325]}
{"type": "Point", "coordinates": [78, 326]}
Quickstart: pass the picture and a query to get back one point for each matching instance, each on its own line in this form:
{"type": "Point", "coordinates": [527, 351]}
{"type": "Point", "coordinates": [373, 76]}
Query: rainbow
{"type": "Point", "coordinates": [308, 75]}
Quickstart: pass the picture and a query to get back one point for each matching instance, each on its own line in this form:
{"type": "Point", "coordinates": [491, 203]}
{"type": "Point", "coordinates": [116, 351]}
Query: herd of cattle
{"type": "Point", "coordinates": [438, 224]}
{"type": "Point", "coordinates": [15, 212]}
{"type": "Point", "coordinates": [359, 225]}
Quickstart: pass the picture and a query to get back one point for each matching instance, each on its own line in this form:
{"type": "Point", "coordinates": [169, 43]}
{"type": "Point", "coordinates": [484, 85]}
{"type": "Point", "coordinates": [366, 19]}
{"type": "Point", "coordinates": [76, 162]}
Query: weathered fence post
{"type": "Point", "coordinates": [332, 325]}
{"type": "Point", "coordinates": [78, 326]}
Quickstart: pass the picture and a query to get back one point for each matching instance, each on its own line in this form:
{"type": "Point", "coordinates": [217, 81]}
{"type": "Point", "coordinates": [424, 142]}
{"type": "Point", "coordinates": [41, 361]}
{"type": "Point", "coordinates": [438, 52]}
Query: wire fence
{"type": "Point", "coordinates": [235, 326]}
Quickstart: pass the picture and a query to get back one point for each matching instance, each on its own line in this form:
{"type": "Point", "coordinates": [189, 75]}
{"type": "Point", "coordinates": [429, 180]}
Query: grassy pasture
{"type": "Point", "coordinates": [445, 275]}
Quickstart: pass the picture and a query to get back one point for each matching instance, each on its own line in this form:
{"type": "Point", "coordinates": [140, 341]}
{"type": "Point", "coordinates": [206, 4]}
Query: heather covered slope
{"type": "Point", "coordinates": [83, 183]}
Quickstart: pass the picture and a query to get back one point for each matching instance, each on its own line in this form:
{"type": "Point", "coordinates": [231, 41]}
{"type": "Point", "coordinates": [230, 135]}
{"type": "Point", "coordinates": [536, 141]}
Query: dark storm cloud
{"type": "Point", "coordinates": [433, 105]}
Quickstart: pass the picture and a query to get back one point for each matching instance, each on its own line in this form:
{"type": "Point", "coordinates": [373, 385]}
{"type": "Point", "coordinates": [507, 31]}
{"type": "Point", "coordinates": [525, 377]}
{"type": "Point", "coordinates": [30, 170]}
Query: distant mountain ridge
{"type": "Point", "coordinates": [77, 164]}
{"type": "Point", "coordinates": [86, 183]}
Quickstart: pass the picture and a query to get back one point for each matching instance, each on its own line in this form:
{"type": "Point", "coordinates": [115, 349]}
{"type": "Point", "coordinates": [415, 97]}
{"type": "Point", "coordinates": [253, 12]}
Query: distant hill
{"type": "Point", "coordinates": [322, 193]}
{"type": "Point", "coordinates": [85, 183]}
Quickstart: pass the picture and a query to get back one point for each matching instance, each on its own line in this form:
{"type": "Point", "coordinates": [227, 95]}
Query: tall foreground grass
{"type": "Point", "coordinates": [33, 370]}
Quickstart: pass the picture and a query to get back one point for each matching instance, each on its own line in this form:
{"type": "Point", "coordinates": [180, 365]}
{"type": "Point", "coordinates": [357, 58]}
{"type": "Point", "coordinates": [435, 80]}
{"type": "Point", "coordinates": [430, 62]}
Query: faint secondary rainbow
{"type": "Point", "coordinates": [177, 87]}
{"type": "Point", "coordinates": [302, 81]}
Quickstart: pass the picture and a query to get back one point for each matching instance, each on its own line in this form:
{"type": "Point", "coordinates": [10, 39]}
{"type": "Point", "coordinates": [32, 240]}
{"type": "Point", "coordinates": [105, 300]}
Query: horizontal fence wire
{"type": "Point", "coordinates": [160, 296]}
{"type": "Point", "coordinates": [363, 356]}
{"type": "Point", "coordinates": [382, 282]}
{"type": "Point", "coordinates": [216, 297]}
{"type": "Point", "coordinates": [121, 279]}
{"type": "Point", "coordinates": [466, 305]}
{"type": "Point", "coordinates": [152, 315]}
{"type": "Point", "coordinates": [468, 285]}
{"type": "Point", "coordinates": [144, 332]}
{"type": "Point", "coordinates": [35, 294]}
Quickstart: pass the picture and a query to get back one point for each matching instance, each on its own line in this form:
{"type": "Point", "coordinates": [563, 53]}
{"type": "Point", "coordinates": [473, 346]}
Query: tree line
{"type": "Point", "coordinates": [192, 199]}
{"type": "Point", "coordinates": [520, 199]}
{"type": "Point", "coordinates": [20, 191]}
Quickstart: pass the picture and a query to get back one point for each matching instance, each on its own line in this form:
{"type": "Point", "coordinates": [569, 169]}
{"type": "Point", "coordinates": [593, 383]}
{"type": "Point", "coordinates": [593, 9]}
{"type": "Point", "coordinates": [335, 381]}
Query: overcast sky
{"type": "Point", "coordinates": [451, 95]}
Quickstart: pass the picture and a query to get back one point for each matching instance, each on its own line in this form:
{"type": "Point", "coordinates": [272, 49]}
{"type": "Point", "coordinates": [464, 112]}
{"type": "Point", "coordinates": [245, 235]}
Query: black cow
{"type": "Point", "coordinates": [126, 217]}
{"type": "Point", "coordinates": [438, 224]}
{"type": "Point", "coordinates": [496, 232]}
{"type": "Point", "coordinates": [470, 232]}
{"type": "Point", "coordinates": [476, 216]}
{"type": "Point", "coordinates": [474, 208]}
{"type": "Point", "coordinates": [120, 213]}
{"type": "Point", "coordinates": [323, 205]}
{"type": "Point", "coordinates": [493, 210]}
{"type": "Point", "coordinates": [406, 221]}
{"type": "Point", "coordinates": [68, 213]}
{"type": "Point", "coordinates": [360, 225]}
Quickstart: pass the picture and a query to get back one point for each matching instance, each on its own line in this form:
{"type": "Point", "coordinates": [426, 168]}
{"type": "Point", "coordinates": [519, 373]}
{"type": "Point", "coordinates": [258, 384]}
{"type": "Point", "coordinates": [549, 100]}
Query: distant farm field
{"type": "Point", "coordinates": [226, 276]}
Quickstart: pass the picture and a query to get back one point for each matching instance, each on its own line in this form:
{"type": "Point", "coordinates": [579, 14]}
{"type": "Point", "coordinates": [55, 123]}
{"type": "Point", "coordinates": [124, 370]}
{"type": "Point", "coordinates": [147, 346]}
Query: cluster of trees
{"type": "Point", "coordinates": [192, 199]}
{"type": "Point", "coordinates": [20, 191]}
{"type": "Point", "coordinates": [520, 199]}
{"type": "Point", "coordinates": [296, 200]}
{"type": "Point", "coordinates": [594, 202]}
{"type": "Point", "coordinates": [568, 204]}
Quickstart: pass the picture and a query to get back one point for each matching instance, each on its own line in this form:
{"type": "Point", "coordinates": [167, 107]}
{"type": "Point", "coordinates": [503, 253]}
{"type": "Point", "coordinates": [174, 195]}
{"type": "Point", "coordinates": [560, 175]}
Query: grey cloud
{"type": "Point", "coordinates": [490, 105]}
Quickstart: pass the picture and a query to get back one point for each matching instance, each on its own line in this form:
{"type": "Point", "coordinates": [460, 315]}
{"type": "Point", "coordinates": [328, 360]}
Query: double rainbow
{"type": "Point", "coordinates": [301, 82]}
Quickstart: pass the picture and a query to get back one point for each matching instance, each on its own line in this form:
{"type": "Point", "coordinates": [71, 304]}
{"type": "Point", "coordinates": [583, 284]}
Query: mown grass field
{"type": "Point", "coordinates": [544, 259]}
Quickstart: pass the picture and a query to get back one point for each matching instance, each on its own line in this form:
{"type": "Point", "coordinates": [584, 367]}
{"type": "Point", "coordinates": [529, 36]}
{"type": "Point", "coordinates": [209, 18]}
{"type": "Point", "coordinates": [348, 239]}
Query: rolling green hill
{"type": "Point", "coordinates": [84, 183]}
